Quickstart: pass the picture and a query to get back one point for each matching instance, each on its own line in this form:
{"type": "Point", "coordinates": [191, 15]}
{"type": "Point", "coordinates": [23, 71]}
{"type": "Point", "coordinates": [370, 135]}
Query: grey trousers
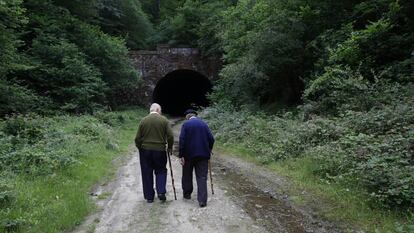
{"type": "Point", "coordinates": [200, 165]}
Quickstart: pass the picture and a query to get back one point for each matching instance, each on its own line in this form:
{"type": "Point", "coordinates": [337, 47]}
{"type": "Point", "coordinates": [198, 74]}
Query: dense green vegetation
{"type": "Point", "coordinates": [49, 164]}
{"type": "Point", "coordinates": [328, 84]}
{"type": "Point", "coordinates": [368, 154]}
{"type": "Point", "coordinates": [321, 87]}
{"type": "Point", "coordinates": [59, 55]}
{"type": "Point", "coordinates": [325, 84]}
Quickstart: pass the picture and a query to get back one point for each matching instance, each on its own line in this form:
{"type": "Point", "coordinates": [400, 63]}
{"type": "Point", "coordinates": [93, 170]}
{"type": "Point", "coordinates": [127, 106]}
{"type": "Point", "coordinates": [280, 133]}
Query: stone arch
{"type": "Point", "coordinates": [182, 89]}
{"type": "Point", "coordinates": [154, 66]}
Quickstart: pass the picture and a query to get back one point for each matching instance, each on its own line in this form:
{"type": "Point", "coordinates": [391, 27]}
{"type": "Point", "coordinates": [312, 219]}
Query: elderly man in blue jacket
{"type": "Point", "coordinates": [195, 145]}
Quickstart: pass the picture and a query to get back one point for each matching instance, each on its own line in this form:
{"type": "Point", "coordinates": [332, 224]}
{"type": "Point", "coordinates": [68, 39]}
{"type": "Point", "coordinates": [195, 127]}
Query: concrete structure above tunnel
{"type": "Point", "coordinates": [155, 65]}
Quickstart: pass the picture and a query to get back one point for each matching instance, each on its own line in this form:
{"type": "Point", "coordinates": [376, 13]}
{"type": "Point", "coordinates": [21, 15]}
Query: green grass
{"type": "Point", "coordinates": [60, 201]}
{"type": "Point", "coordinates": [344, 204]}
{"type": "Point", "coordinates": [103, 195]}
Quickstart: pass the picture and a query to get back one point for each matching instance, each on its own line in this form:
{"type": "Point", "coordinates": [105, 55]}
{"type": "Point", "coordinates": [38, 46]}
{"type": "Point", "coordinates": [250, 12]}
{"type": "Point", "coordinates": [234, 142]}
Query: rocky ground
{"type": "Point", "coordinates": [247, 198]}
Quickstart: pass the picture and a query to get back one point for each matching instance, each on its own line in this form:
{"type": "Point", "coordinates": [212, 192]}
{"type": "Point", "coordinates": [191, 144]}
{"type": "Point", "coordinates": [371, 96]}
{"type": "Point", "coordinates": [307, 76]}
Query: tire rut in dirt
{"type": "Point", "coordinates": [275, 214]}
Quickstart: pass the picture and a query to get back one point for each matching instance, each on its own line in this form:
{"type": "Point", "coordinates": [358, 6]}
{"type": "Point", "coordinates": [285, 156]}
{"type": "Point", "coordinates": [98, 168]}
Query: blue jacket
{"type": "Point", "coordinates": [196, 139]}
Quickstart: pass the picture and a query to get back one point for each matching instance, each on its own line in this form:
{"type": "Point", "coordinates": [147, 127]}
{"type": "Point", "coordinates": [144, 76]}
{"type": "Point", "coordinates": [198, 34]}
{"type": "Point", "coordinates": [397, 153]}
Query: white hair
{"type": "Point", "coordinates": [189, 115]}
{"type": "Point", "coordinates": [155, 108]}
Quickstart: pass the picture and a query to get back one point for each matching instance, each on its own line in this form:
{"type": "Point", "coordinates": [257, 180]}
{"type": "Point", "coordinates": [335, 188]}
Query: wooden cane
{"type": "Point", "coordinates": [211, 177]}
{"type": "Point", "coordinates": [172, 175]}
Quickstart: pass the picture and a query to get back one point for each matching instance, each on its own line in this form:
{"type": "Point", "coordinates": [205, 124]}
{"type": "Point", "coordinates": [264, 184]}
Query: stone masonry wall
{"type": "Point", "coordinates": [154, 65]}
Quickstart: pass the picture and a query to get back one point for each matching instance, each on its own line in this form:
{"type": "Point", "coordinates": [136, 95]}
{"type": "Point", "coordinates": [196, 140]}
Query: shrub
{"type": "Point", "coordinates": [42, 160]}
{"type": "Point", "coordinates": [111, 118]}
{"type": "Point", "coordinates": [35, 145]}
{"type": "Point", "coordinates": [370, 147]}
{"type": "Point", "coordinates": [336, 89]}
{"type": "Point", "coordinates": [339, 90]}
{"type": "Point", "coordinates": [7, 196]}
{"type": "Point", "coordinates": [18, 99]}
{"type": "Point", "coordinates": [24, 127]}
{"type": "Point", "coordinates": [72, 82]}
{"type": "Point", "coordinates": [114, 64]}
{"type": "Point", "coordinates": [92, 130]}
{"type": "Point", "coordinates": [12, 225]}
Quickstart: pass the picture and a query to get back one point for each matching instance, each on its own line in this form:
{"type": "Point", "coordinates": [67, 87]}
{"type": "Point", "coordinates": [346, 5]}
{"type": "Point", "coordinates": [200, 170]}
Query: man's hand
{"type": "Point", "coordinates": [182, 161]}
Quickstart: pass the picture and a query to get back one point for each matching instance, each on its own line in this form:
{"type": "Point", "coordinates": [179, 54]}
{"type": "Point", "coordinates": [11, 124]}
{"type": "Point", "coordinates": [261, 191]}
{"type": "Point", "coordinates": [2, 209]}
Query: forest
{"type": "Point", "coordinates": [318, 88]}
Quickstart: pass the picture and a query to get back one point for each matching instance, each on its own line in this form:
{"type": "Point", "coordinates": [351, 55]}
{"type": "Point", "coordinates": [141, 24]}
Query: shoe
{"type": "Point", "coordinates": [202, 204]}
{"type": "Point", "coordinates": [150, 201]}
{"type": "Point", "coordinates": [187, 196]}
{"type": "Point", "coordinates": [162, 197]}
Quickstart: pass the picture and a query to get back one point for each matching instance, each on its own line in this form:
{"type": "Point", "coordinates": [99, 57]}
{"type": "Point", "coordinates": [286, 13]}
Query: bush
{"type": "Point", "coordinates": [7, 196]}
{"type": "Point", "coordinates": [111, 118]}
{"type": "Point", "coordinates": [92, 130]}
{"type": "Point", "coordinates": [73, 83]}
{"type": "Point", "coordinates": [36, 145]}
{"type": "Point", "coordinates": [25, 127]}
{"type": "Point", "coordinates": [114, 64]}
{"type": "Point", "coordinates": [18, 99]}
{"type": "Point", "coordinates": [340, 89]}
{"type": "Point", "coordinates": [335, 90]}
{"type": "Point", "coordinates": [369, 147]}
{"type": "Point", "coordinates": [240, 83]}
{"type": "Point", "coordinates": [46, 162]}
{"type": "Point", "coordinates": [32, 144]}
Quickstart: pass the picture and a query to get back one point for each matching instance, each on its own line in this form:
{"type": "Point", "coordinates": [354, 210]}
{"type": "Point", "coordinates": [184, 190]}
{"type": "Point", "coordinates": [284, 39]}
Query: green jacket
{"type": "Point", "coordinates": [154, 133]}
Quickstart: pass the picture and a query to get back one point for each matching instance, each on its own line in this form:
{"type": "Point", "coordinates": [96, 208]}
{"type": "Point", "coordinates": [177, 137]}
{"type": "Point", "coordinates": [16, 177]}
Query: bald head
{"type": "Point", "coordinates": [155, 108]}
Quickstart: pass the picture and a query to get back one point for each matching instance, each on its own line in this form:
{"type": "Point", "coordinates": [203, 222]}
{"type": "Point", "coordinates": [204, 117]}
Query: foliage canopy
{"type": "Point", "coordinates": [68, 55]}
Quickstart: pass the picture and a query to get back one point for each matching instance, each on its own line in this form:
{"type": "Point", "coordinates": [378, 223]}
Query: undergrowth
{"type": "Point", "coordinates": [369, 150]}
{"type": "Point", "coordinates": [48, 165]}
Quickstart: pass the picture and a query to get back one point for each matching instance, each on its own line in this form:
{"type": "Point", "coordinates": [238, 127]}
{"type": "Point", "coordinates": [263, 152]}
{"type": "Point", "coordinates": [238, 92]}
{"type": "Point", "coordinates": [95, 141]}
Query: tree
{"type": "Point", "coordinates": [125, 18]}
{"type": "Point", "coordinates": [53, 58]}
{"type": "Point", "coordinates": [11, 20]}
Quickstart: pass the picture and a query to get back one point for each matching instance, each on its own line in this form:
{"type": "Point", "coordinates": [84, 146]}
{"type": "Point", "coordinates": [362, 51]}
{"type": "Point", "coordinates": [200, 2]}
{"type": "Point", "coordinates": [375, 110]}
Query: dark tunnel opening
{"type": "Point", "coordinates": [181, 90]}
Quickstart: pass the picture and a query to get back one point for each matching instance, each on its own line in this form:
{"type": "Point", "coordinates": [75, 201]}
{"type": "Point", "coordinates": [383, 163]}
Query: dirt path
{"type": "Point", "coordinates": [246, 200]}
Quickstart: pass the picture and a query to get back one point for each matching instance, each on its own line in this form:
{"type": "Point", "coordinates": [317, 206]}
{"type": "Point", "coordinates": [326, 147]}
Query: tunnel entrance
{"type": "Point", "coordinates": [181, 90]}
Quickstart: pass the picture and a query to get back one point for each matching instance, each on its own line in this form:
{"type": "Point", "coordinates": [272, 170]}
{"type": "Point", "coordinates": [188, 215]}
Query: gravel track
{"type": "Point", "coordinates": [246, 199]}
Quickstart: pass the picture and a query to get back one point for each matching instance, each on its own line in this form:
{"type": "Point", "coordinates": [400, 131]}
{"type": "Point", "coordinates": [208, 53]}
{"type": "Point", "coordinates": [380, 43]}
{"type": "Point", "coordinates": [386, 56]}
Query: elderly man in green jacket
{"type": "Point", "coordinates": [153, 137]}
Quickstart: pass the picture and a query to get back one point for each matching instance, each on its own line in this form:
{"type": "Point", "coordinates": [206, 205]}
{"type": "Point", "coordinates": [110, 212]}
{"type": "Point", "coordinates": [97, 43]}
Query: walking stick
{"type": "Point", "coordinates": [211, 177]}
{"type": "Point", "coordinates": [172, 176]}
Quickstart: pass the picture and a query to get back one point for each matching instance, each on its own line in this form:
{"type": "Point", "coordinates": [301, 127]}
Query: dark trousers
{"type": "Point", "coordinates": [200, 165]}
{"type": "Point", "coordinates": [153, 162]}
